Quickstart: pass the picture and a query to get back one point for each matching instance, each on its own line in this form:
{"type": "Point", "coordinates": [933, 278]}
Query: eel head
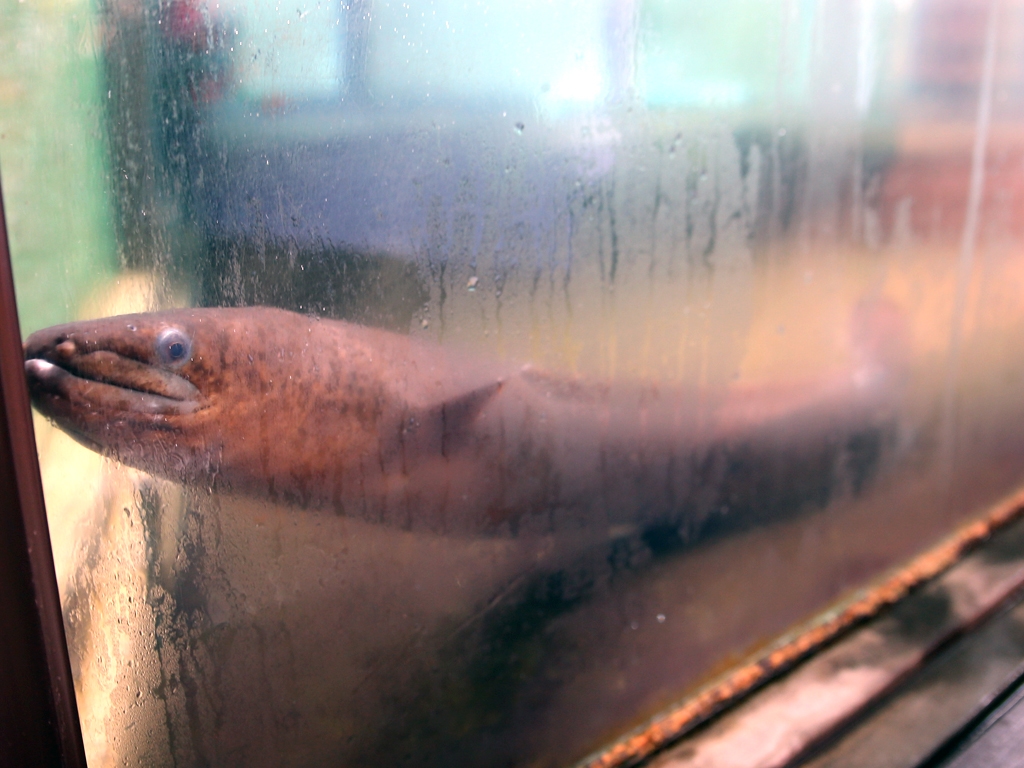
{"type": "Point", "coordinates": [131, 387]}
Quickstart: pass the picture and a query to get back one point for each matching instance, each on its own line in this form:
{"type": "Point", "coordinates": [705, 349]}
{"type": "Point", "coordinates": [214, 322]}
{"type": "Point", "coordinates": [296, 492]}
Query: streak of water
{"type": "Point", "coordinates": [968, 242]}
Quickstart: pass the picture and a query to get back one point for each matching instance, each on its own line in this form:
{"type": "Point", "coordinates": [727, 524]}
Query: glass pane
{"type": "Point", "coordinates": [546, 359]}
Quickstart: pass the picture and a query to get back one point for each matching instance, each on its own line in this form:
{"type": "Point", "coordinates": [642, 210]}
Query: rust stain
{"type": "Point", "coordinates": [673, 725]}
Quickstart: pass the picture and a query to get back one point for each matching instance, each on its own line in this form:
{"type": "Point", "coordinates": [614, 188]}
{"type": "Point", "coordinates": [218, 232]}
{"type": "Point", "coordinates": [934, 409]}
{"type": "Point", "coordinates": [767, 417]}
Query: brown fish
{"type": "Point", "coordinates": [363, 422]}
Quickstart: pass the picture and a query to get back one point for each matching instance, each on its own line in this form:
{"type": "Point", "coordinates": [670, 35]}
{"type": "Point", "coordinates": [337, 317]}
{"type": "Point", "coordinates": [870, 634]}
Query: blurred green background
{"type": "Point", "coordinates": [52, 156]}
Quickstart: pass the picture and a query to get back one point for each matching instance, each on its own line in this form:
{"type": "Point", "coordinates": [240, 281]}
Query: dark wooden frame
{"type": "Point", "coordinates": [38, 714]}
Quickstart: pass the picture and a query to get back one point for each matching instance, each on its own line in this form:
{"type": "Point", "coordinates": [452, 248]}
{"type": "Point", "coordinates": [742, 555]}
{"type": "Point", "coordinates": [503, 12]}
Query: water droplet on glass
{"type": "Point", "coordinates": [471, 283]}
{"type": "Point", "coordinates": [661, 618]}
{"type": "Point", "coordinates": [425, 323]}
{"type": "Point", "coordinates": [520, 128]}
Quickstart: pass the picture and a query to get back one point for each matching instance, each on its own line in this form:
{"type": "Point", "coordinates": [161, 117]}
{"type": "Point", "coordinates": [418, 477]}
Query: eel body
{"type": "Point", "coordinates": [362, 422]}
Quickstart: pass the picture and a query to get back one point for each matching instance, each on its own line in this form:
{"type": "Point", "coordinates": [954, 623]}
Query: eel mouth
{"type": "Point", "coordinates": [104, 381]}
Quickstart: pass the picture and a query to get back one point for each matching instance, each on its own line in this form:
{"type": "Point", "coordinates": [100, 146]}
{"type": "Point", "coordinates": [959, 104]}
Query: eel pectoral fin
{"type": "Point", "coordinates": [458, 413]}
{"type": "Point", "coordinates": [448, 424]}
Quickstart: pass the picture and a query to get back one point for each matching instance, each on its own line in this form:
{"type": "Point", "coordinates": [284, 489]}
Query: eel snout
{"type": "Point", "coordinates": [104, 380]}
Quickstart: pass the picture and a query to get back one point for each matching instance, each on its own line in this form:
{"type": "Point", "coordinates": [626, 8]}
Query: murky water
{"type": "Point", "coordinates": [758, 210]}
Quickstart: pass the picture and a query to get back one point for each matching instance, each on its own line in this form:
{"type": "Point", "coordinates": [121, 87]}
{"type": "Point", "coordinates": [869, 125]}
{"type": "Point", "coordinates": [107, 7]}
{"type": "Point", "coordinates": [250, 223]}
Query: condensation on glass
{"type": "Point", "coordinates": [727, 295]}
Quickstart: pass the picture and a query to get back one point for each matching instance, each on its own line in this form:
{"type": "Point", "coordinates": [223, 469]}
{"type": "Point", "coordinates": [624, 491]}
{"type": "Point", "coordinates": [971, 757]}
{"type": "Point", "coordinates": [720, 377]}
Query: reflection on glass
{"type": "Point", "coordinates": [545, 360]}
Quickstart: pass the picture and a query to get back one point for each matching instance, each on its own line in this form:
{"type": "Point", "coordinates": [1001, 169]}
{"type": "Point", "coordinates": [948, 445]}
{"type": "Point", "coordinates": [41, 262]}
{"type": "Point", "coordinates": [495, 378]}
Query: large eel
{"type": "Point", "coordinates": [362, 422]}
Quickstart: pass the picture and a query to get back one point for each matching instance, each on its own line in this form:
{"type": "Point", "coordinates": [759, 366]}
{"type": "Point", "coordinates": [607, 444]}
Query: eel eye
{"type": "Point", "coordinates": [173, 347]}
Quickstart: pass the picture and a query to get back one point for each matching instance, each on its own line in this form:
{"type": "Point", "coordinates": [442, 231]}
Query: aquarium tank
{"type": "Point", "coordinates": [497, 375]}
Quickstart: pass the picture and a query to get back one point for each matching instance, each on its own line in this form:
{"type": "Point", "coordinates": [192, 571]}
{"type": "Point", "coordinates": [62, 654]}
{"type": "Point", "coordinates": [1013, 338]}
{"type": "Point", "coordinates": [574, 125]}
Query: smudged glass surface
{"type": "Point", "coordinates": [727, 294]}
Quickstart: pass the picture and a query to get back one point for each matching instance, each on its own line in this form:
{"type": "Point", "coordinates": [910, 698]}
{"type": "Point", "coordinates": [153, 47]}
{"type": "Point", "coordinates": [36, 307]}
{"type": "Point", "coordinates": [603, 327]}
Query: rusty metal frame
{"type": "Point", "coordinates": [665, 729]}
{"type": "Point", "coordinates": [39, 723]}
